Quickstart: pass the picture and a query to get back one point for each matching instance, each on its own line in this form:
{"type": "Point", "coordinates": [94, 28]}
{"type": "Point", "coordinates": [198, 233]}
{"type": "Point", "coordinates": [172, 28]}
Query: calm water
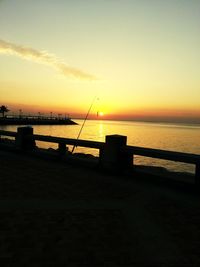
{"type": "Point", "coordinates": [183, 138]}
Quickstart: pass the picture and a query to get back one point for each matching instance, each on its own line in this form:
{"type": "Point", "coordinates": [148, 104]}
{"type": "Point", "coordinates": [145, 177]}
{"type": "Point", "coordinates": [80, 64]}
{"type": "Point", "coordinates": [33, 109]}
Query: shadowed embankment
{"type": "Point", "coordinates": [55, 213]}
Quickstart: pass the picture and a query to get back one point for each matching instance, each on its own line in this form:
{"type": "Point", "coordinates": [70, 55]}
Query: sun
{"type": "Point", "coordinates": [101, 113]}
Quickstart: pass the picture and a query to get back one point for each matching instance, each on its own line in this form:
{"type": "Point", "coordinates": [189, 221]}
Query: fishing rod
{"type": "Point", "coordinates": [84, 122]}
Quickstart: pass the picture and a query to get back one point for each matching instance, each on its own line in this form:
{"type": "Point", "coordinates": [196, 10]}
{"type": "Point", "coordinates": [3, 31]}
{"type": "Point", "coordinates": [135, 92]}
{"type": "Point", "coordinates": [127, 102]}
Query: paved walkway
{"type": "Point", "coordinates": [55, 214]}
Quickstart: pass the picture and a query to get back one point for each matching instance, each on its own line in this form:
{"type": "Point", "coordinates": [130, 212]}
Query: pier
{"type": "Point", "coordinates": [35, 120]}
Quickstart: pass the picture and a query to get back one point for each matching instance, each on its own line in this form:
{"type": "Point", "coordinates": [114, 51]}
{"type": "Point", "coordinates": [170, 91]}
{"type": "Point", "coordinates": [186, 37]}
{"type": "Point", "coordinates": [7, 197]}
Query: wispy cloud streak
{"type": "Point", "coordinates": [43, 57]}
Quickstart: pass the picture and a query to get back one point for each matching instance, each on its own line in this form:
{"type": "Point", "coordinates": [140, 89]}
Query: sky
{"type": "Point", "coordinates": [133, 59]}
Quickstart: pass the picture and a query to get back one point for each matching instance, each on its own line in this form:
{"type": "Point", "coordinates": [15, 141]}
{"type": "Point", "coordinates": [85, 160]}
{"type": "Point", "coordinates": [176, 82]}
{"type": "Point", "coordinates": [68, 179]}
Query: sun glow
{"type": "Point", "coordinates": [101, 114]}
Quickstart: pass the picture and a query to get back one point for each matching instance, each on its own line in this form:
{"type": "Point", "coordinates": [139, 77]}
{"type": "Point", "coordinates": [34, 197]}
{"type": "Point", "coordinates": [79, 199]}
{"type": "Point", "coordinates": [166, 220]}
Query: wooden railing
{"type": "Point", "coordinates": [114, 154]}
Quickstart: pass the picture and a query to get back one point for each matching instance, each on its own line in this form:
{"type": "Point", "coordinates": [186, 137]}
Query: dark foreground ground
{"type": "Point", "coordinates": [55, 214]}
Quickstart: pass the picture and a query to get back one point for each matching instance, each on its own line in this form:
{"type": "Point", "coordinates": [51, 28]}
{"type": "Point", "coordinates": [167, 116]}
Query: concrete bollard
{"type": "Point", "coordinates": [197, 174]}
{"type": "Point", "coordinates": [62, 149]}
{"type": "Point", "coordinates": [111, 156]}
{"type": "Point", "coordinates": [24, 138]}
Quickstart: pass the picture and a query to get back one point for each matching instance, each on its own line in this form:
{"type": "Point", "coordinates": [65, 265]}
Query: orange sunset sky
{"type": "Point", "coordinates": [140, 58]}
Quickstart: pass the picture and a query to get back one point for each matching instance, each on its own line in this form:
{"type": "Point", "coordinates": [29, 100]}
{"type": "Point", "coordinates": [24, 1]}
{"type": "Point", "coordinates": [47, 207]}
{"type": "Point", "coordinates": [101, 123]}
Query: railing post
{"type": "Point", "coordinates": [197, 174]}
{"type": "Point", "coordinates": [111, 156]}
{"type": "Point", "coordinates": [24, 139]}
{"type": "Point", "coordinates": [62, 149]}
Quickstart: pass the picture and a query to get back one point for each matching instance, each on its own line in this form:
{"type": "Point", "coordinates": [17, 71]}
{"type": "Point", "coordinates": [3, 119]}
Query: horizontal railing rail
{"type": "Point", "coordinates": [55, 139]}
{"type": "Point", "coordinates": [68, 141]}
{"type": "Point", "coordinates": [8, 133]}
{"type": "Point", "coordinates": [163, 154]}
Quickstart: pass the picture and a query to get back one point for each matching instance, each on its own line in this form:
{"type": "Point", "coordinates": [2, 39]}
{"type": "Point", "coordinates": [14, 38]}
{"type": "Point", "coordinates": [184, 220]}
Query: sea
{"type": "Point", "coordinates": [167, 136]}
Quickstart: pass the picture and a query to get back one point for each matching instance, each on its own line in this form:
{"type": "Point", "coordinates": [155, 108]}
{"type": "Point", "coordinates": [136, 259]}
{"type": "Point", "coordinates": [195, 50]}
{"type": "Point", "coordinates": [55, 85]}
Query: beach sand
{"type": "Point", "coordinates": [57, 214]}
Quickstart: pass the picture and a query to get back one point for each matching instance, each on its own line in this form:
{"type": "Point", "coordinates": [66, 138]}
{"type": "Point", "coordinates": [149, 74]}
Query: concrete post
{"type": "Point", "coordinates": [24, 138]}
{"type": "Point", "coordinates": [62, 149]}
{"type": "Point", "coordinates": [111, 156]}
{"type": "Point", "coordinates": [197, 174]}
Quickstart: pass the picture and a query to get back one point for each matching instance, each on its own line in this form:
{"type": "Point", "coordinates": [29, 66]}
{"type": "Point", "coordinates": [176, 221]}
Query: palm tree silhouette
{"type": "Point", "coordinates": [3, 110]}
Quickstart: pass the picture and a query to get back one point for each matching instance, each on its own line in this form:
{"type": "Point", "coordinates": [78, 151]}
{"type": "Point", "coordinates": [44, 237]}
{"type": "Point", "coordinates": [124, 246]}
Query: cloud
{"type": "Point", "coordinates": [43, 57]}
